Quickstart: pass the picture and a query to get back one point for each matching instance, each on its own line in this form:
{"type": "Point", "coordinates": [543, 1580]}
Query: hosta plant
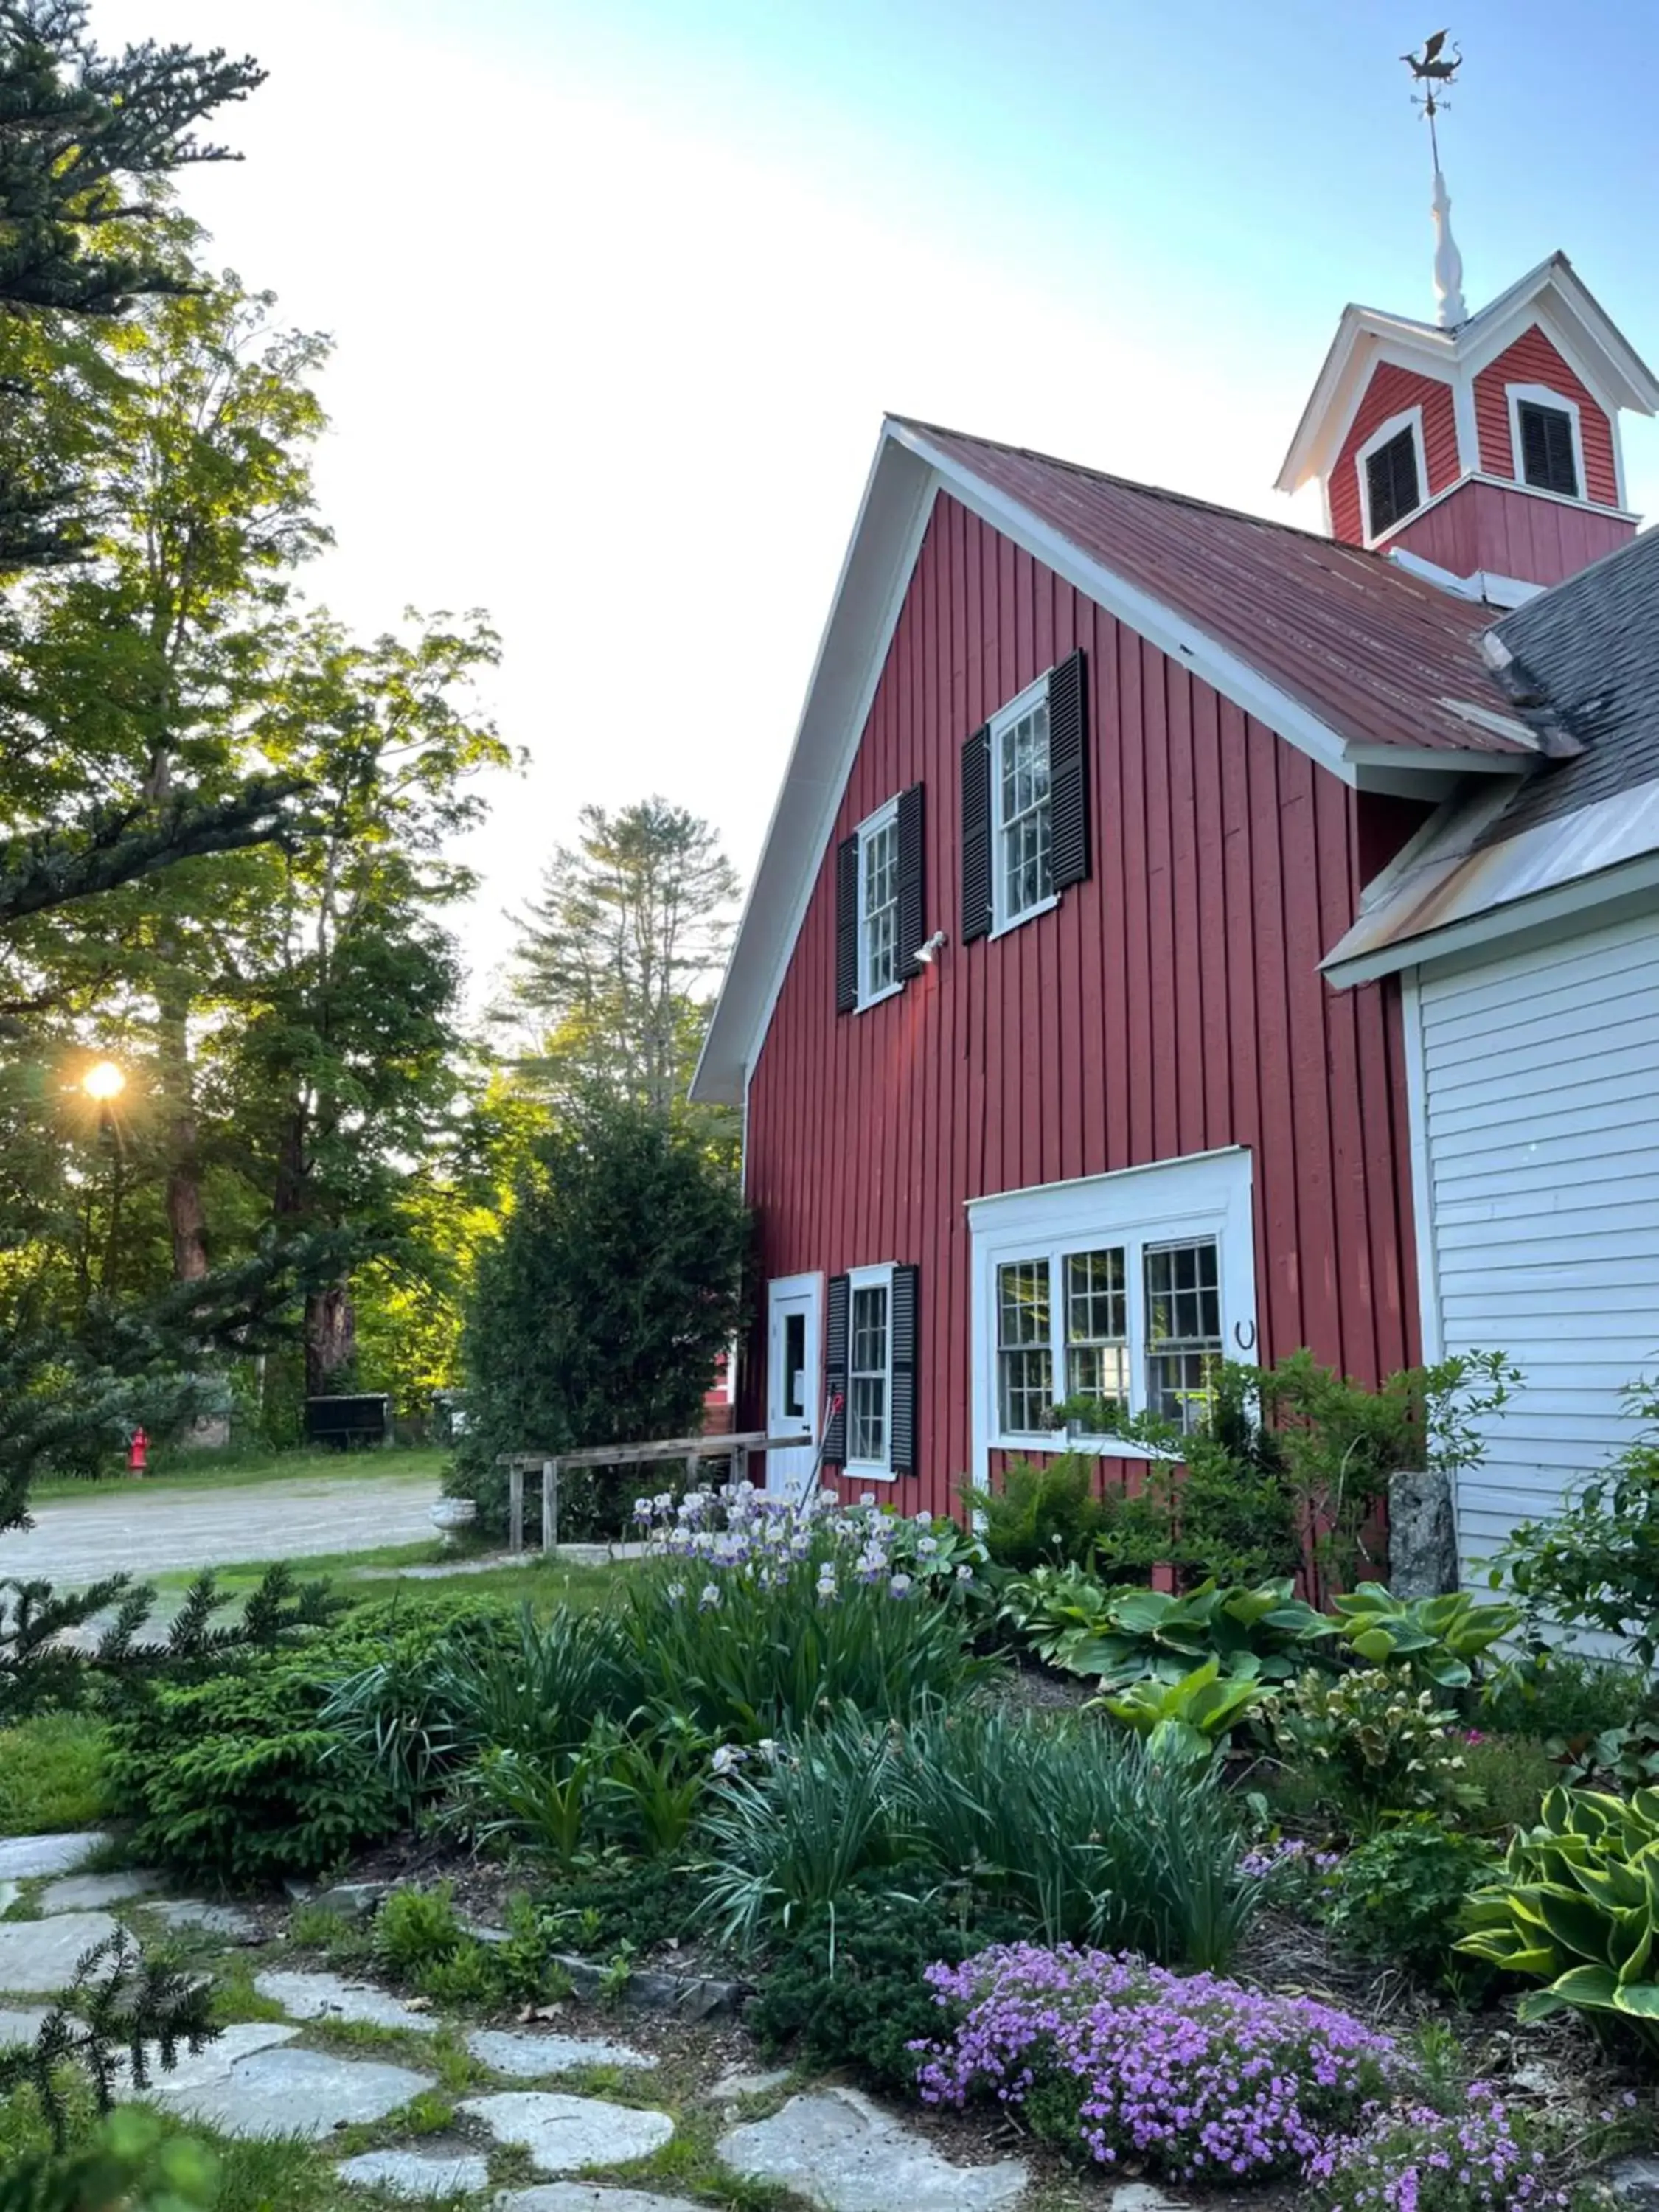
{"type": "Point", "coordinates": [1187, 1721]}
{"type": "Point", "coordinates": [1132, 1634]}
{"type": "Point", "coordinates": [1577, 1906]}
{"type": "Point", "coordinates": [1442, 1640]}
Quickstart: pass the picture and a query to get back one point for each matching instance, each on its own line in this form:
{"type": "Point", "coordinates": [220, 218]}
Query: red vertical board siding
{"type": "Point", "coordinates": [1532, 360]}
{"type": "Point", "coordinates": [1391, 390]}
{"type": "Point", "coordinates": [1171, 1004]}
{"type": "Point", "coordinates": [1511, 533]}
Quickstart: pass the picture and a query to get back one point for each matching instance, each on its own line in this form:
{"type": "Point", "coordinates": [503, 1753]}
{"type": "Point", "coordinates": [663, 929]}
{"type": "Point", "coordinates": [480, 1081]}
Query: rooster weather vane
{"type": "Point", "coordinates": [1433, 70]}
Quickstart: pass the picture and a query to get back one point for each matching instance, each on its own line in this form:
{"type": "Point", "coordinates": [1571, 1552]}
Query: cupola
{"type": "Point", "coordinates": [1483, 448]}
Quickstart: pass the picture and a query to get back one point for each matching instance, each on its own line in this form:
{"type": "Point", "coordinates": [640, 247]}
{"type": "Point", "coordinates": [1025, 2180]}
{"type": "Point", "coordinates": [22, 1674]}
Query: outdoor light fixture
{"type": "Point", "coordinates": [926, 954]}
{"type": "Point", "coordinates": [103, 1081]}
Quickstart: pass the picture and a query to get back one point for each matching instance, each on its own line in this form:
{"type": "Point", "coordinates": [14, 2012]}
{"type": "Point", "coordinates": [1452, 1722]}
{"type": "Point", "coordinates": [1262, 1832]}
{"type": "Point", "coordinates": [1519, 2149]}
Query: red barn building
{"type": "Point", "coordinates": [1047, 1088]}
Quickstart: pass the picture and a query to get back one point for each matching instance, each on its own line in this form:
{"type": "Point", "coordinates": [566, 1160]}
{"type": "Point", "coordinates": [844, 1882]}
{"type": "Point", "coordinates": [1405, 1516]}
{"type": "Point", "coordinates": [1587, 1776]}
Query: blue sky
{"type": "Point", "coordinates": [620, 292]}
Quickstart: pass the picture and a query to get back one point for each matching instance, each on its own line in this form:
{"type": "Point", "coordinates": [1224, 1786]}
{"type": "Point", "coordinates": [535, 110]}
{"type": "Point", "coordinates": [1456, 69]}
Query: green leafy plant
{"type": "Point", "coordinates": [1129, 1635]}
{"type": "Point", "coordinates": [1623, 1758]}
{"type": "Point", "coordinates": [551, 1806]}
{"type": "Point", "coordinates": [1576, 1906]}
{"type": "Point", "coordinates": [1441, 1640]}
{"type": "Point", "coordinates": [1373, 1744]}
{"type": "Point", "coordinates": [1050, 1513]}
{"type": "Point", "coordinates": [1510, 1776]}
{"type": "Point", "coordinates": [131, 2162]}
{"type": "Point", "coordinates": [1400, 1897]}
{"type": "Point", "coordinates": [415, 1927]}
{"type": "Point", "coordinates": [1188, 1721]}
{"type": "Point", "coordinates": [1596, 1565]}
{"type": "Point", "coordinates": [655, 1784]}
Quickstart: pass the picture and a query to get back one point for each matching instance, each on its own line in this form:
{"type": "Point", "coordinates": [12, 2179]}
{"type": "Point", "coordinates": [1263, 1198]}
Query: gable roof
{"type": "Point", "coordinates": [1374, 672]}
{"type": "Point", "coordinates": [1584, 660]}
{"type": "Point", "coordinates": [1553, 292]}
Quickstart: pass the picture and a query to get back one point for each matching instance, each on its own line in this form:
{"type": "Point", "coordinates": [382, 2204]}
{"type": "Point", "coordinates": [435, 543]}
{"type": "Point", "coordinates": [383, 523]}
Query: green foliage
{"type": "Point", "coordinates": [599, 1315]}
{"type": "Point", "coordinates": [1074, 1829]}
{"type": "Point", "coordinates": [1576, 1906]}
{"type": "Point", "coordinates": [415, 1927]}
{"type": "Point", "coordinates": [1510, 1775]}
{"type": "Point", "coordinates": [131, 2162]}
{"type": "Point", "coordinates": [1557, 1694]}
{"type": "Point", "coordinates": [51, 1775]}
{"type": "Point", "coordinates": [1399, 1899]}
{"type": "Point", "coordinates": [642, 1906]}
{"type": "Point", "coordinates": [1128, 1635]}
{"type": "Point", "coordinates": [1625, 1758]}
{"type": "Point", "coordinates": [1440, 1640]}
{"type": "Point", "coordinates": [1184, 1724]}
{"type": "Point", "coordinates": [1373, 1743]}
{"type": "Point", "coordinates": [1050, 1513]}
{"type": "Point", "coordinates": [844, 1986]}
{"type": "Point", "coordinates": [1596, 1565]}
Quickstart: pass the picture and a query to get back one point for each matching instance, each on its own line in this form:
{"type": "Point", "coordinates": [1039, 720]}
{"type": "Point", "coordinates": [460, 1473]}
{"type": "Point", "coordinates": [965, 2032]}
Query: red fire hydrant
{"type": "Point", "coordinates": [138, 1453]}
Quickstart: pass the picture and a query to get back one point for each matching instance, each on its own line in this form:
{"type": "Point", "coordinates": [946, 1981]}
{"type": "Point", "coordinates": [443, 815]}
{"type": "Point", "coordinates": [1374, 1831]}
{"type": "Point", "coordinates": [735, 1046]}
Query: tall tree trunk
{"type": "Point", "coordinates": [186, 1216]}
{"type": "Point", "coordinates": [331, 1339]}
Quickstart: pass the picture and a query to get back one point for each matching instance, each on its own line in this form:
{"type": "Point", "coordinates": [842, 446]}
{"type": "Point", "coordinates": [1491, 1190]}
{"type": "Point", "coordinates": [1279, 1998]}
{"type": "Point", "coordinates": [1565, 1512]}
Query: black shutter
{"type": "Point", "coordinates": [912, 882]}
{"type": "Point", "coordinates": [976, 835]}
{"type": "Point", "coordinates": [834, 1371]}
{"type": "Point", "coordinates": [904, 1322]}
{"type": "Point", "coordinates": [846, 926]}
{"type": "Point", "coordinates": [1546, 454]}
{"type": "Point", "coordinates": [1069, 773]}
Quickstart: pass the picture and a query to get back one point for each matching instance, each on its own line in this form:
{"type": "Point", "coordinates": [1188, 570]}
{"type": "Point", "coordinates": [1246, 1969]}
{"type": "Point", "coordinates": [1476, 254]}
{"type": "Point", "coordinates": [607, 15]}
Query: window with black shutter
{"type": "Point", "coordinates": [1025, 823]}
{"type": "Point", "coordinates": [880, 903]}
{"type": "Point", "coordinates": [1393, 488]}
{"type": "Point", "coordinates": [906, 1337]}
{"type": "Point", "coordinates": [847, 925]}
{"type": "Point", "coordinates": [1548, 461]}
{"type": "Point", "coordinates": [1068, 774]}
{"type": "Point", "coordinates": [977, 917]}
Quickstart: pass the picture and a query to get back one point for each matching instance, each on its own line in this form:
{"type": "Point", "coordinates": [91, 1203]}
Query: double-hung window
{"type": "Point", "coordinates": [1022, 837]}
{"type": "Point", "coordinates": [872, 1341]}
{"type": "Point", "coordinates": [870, 1368]}
{"type": "Point", "coordinates": [878, 945]}
{"type": "Point", "coordinates": [880, 903]}
{"type": "Point", "coordinates": [1117, 1295]}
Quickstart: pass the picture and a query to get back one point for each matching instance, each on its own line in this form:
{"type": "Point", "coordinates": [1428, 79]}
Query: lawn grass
{"type": "Point", "coordinates": [51, 1775]}
{"type": "Point", "coordinates": [546, 1586]}
{"type": "Point", "coordinates": [243, 1470]}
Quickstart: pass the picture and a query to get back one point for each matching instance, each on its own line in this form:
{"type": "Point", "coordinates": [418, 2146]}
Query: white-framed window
{"type": "Point", "coordinates": [1127, 1289]}
{"type": "Point", "coordinates": [869, 1373]}
{"type": "Point", "coordinates": [1021, 825]}
{"type": "Point", "coordinates": [1394, 473]}
{"type": "Point", "coordinates": [1547, 439]}
{"type": "Point", "coordinates": [878, 911]}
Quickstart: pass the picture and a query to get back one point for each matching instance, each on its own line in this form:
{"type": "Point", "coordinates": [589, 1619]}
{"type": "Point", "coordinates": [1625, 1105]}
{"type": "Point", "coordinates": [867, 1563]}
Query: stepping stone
{"type": "Point", "coordinates": [838, 2149]}
{"type": "Point", "coordinates": [568, 2135]}
{"type": "Point", "coordinates": [9, 1893]}
{"type": "Point", "coordinates": [215, 2062]}
{"type": "Point", "coordinates": [226, 1920]}
{"type": "Point", "coordinates": [282, 2091]}
{"type": "Point", "coordinates": [25, 1857]}
{"type": "Point", "coordinates": [510, 2050]}
{"type": "Point", "coordinates": [22, 2025]}
{"type": "Point", "coordinates": [82, 1892]}
{"type": "Point", "coordinates": [330, 1996]}
{"type": "Point", "coordinates": [42, 1954]}
{"type": "Point", "coordinates": [416, 2172]}
{"type": "Point", "coordinates": [583, 2196]}
{"type": "Point", "coordinates": [746, 2081]}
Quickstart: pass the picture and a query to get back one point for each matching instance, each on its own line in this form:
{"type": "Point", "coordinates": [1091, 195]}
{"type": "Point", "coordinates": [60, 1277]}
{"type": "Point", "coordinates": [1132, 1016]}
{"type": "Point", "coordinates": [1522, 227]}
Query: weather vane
{"type": "Point", "coordinates": [1434, 69]}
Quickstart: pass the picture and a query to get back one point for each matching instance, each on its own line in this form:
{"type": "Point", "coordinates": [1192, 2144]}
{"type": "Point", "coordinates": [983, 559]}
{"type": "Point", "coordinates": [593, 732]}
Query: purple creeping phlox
{"type": "Point", "coordinates": [1413, 2159]}
{"type": "Point", "coordinates": [1191, 2075]}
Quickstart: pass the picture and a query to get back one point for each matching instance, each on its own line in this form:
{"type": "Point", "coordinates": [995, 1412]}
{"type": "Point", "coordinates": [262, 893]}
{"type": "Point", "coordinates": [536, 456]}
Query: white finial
{"type": "Point", "coordinates": [1432, 67]}
{"type": "Point", "coordinates": [1450, 307]}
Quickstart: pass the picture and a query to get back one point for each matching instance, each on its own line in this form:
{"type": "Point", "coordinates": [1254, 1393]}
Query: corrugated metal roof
{"type": "Point", "coordinates": [1382, 657]}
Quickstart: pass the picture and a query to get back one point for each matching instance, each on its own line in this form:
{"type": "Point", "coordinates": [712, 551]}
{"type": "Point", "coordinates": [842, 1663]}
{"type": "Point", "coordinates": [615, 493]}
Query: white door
{"type": "Point", "coordinates": [1536, 1153]}
{"type": "Point", "coordinates": [792, 1338]}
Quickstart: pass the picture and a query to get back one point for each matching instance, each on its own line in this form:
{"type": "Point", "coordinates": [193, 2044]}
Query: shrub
{"type": "Point", "coordinates": [848, 1984]}
{"type": "Point", "coordinates": [1373, 1743]}
{"type": "Point", "coordinates": [1417, 2159]}
{"type": "Point", "coordinates": [1121, 2062]}
{"type": "Point", "coordinates": [1558, 1695]}
{"type": "Point", "coordinates": [1050, 1513]}
{"type": "Point", "coordinates": [639, 1908]}
{"type": "Point", "coordinates": [1072, 1827]}
{"type": "Point", "coordinates": [1400, 1898]}
{"type": "Point", "coordinates": [130, 2162]}
{"type": "Point", "coordinates": [1574, 1906]}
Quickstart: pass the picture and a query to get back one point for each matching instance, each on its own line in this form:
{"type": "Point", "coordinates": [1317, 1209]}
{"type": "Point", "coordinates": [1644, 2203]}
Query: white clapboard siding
{"type": "Point", "coordinates": [1539, 1143]}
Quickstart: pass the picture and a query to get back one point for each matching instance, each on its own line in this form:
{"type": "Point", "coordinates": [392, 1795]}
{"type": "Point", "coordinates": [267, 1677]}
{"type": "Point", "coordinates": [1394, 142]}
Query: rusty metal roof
{"type": "Point", "coordinates": [1382, 657]}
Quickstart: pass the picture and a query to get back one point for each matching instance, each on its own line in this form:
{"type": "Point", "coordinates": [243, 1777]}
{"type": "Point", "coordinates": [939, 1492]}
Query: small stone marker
{"type": "Point", "coordinates": [567, 2135]}
{"type": "Point", "coordinates": [26, 1856]}
{"type": "Point", "coordinates": [85, 1893]}
{"type": "Point", "coordinates": [838, 2149]}
{"type": "Point", "coordinates": [527, 2056]}
{"type": "Point", "coordinates": [330, 1996]}
{"type": "Point", "coordinates": [417, 2173]}
{"type": "Point", "coordinates": [41, 1955]}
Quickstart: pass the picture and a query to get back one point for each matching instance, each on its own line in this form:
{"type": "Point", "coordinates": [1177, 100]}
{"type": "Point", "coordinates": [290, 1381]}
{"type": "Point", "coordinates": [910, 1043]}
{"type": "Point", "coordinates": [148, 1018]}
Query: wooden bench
{"type": "Point", "coordinates": [691, 1451]}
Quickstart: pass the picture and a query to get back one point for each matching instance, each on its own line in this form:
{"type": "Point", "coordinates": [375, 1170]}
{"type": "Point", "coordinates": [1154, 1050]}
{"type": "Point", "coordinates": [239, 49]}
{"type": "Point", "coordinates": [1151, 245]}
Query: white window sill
{"type": "Point", "coordinates": [853, 1471]}
{"type": "Point", "coordinates": [878, 998]}
{"type": "Point", "coordinates": [1056, 1440]}
{"type": "Point", "coordinates": [1028, 913]}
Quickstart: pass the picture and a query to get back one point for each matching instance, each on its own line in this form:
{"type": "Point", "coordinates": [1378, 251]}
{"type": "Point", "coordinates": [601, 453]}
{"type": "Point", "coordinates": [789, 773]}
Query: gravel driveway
{"type": "Point", "coordinates": [150, 1532]}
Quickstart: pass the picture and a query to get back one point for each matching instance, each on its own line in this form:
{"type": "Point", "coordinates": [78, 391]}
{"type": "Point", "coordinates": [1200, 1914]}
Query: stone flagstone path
{"type": "Point", "coordinates": [832, 2147]}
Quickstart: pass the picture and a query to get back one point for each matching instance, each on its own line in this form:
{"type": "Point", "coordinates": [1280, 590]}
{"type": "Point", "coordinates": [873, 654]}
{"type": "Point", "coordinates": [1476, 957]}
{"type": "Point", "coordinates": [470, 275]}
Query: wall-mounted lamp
{"type": "Point", "coordinates": [926, 954]}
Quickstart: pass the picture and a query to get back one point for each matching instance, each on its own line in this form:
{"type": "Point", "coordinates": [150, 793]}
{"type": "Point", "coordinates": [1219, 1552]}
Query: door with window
{"type": "Point", "coordinates": [792, 1387]}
